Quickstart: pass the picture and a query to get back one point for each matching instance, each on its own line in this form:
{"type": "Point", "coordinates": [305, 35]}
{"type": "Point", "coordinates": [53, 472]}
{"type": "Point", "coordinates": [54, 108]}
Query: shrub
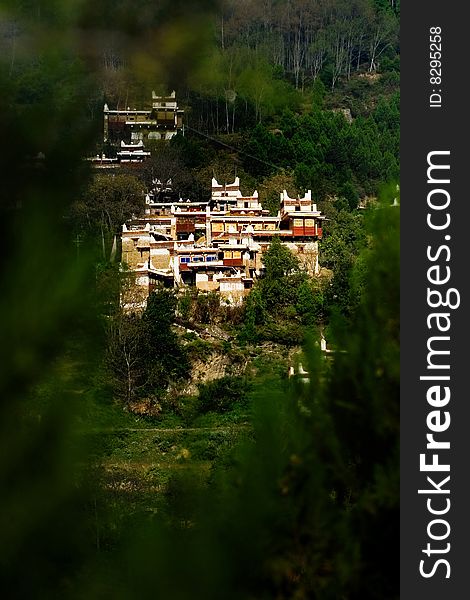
{"type": "Point", "coordinates": [288, 334]}
{"type": "Point", "coordinates": [207, 308]}
{"type": "Point", "coordinates": [199, 349]}
{"type": "Point", "coordinates": [221, 395]}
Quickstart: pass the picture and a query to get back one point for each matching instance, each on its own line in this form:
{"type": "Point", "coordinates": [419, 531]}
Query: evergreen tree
{"type": "Point", "coordinates": [278, 286]}
{"type": "Point", "coordinates": [254, 316]}
{"type": "Point", "coordinates": [165, 358]}
{"type": "Point", "coordinates": [310, 302]}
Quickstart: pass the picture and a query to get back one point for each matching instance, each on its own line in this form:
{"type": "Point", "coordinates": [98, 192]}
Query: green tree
{"type": "Point", "coordinates": [318, 93]}
{"type": "Point", "coordinates": [254, 315]}
{"type": "Point", "coordinates": [278, 286]}
{"type": "Point", "coordinates": [279, 261]}
{"type": "Point", "coordinates": [221, 395]}
{"type": "Point", "coordinates": [106, 205]}
{"type": "Point", "coordinates": [144, 355]}
{"type": "Point", "coordinates": [349, 193]}
{"type": "Point", "coordinates": [207, 307]}
{"type": "Point", "coordinates": [270, 187]}
{"type": "Point", "coordinates": [310, 302]}
{"type": "Point", "coordinates": [165, 357]}
{"type": "Point", "coordinates": [344, 239]}
{"type": "Point", "coordinates": [271, 151]}
{"type": "Point", "coordinates": [124, 358]}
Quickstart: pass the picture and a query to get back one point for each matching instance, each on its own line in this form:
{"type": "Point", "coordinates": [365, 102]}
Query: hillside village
{"type": "Point", "coordinates": [201, 249]}
{"type": "Point", "coordinates": [201, 304]}
{"type": "Point", "coordinates": [215, 245]}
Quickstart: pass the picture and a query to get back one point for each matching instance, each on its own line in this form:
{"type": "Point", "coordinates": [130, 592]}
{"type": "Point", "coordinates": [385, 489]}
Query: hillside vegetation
{"type": "Point", "coordinates": [129, 471]}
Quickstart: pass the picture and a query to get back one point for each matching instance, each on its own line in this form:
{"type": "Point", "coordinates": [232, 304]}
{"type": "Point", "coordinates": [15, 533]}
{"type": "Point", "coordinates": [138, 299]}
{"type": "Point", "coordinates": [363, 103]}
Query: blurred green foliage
{"type": "Point", "coordinates": [293, 513]}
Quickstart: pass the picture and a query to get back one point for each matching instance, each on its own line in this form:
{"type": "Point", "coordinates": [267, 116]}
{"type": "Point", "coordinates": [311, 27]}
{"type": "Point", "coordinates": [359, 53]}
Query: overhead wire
{"type": "Point", "coordinates": [237, 150]}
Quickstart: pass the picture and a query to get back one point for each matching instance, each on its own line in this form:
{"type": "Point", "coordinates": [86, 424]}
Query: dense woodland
{"type": "Point", "coordinates": [128, 471]}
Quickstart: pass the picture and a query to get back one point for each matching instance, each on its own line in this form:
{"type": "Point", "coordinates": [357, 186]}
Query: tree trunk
{"type": "Point", "coordinates": [233, 117]}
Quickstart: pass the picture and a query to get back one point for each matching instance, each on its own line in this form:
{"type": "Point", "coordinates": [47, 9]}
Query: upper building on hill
{"type": "Point", "coordinates": [129, 125]}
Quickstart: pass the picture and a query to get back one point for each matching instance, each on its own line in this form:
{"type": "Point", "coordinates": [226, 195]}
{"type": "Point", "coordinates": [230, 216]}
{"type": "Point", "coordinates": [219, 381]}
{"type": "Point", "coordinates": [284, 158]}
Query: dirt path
{"type": "Point", "coordinates": [169, 429]}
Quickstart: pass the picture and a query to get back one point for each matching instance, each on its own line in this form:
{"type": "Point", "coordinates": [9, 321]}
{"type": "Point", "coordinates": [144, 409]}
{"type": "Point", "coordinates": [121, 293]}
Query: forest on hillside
{"type": "Point", "coordinates": [307, 90]}
{"type": "Point", "coordinates": [128, 472]}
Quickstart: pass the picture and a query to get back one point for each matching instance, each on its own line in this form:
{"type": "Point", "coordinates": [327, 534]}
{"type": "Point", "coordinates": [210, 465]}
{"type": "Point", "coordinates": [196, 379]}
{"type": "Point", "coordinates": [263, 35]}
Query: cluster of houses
{"type": "Point", "coordinates": [216, 245]}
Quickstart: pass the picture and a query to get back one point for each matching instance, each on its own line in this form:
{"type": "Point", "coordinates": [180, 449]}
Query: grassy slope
{"type": "Point", "coordinates": [134, 461]}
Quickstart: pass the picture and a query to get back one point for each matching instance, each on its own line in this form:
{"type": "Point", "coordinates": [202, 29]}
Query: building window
{"type": "Point", "coordinates": [185, 259]}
